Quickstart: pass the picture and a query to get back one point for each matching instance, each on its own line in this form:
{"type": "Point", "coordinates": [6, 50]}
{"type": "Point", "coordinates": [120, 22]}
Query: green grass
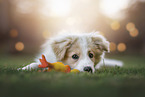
{"type": "Point", "coordinates": [128, 81]}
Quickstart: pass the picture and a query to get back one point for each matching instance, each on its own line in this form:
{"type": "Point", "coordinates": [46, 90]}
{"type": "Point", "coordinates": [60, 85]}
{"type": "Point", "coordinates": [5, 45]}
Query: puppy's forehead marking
{"type": "Point", "coordinates": [83, 41]}
{"type": "Point", "coordinates": [84, 45]}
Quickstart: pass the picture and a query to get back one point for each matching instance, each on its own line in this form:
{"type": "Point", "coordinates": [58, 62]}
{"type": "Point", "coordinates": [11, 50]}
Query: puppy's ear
{"type": "Point", "coordinates": [101, 43]}
{"type": "Point", "coordinates": [60, 46]}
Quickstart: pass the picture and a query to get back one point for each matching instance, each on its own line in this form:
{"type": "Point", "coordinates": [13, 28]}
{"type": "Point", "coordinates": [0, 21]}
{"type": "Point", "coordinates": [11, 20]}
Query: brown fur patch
{"type": "Point", "coordinates": [97, 53]}
{"type": "Point", "coordinates": [74, 49]}
{"type": "Point", "coordinates": [60, 46]}
{"type": "Point", "coordinates": [102, 45]}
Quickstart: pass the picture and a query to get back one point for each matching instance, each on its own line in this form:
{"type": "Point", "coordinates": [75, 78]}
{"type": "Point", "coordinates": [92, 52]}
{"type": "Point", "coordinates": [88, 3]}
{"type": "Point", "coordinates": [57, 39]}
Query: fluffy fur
{"type": "Point", "coordinates": [89, 50]}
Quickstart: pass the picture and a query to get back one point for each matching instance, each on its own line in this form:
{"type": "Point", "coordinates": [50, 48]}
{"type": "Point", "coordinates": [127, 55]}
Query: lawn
{"type": "Point", "coordinates": [128, 81]}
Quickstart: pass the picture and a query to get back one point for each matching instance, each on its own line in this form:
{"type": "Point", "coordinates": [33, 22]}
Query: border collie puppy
{"type": "Point", "coordinates": [84, 52]}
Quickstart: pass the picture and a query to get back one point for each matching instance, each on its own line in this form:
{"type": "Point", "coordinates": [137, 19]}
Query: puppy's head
{"type": "Point", "coordinates": [82, 52]}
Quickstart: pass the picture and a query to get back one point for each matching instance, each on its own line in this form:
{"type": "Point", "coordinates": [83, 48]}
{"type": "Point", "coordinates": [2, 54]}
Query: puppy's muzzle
{"type": "Point", "coordinates": [88, 69]}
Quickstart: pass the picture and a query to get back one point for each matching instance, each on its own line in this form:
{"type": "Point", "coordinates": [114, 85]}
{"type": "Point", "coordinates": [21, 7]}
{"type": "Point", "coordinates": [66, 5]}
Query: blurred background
{"type": "Point", "coordinates": [26, 24]}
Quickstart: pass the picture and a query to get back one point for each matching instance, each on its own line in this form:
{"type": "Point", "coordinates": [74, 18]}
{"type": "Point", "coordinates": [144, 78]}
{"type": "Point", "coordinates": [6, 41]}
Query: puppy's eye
{"type": "Point", "coordinates": [91, 55]}
{"type": "Point", "coordinates": [75, 56]}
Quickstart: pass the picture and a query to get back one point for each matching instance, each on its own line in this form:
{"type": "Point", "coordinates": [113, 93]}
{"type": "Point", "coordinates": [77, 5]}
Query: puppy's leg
{"type": "Point", "coordinates": [109, 62]}
{"type": "Point", "coordinates": [30, 66]}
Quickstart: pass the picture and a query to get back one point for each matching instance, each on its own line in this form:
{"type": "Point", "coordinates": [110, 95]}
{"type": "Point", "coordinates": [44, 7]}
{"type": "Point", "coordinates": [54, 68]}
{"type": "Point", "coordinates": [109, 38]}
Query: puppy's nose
{"type": "Point", "coordinates": [88, 69]}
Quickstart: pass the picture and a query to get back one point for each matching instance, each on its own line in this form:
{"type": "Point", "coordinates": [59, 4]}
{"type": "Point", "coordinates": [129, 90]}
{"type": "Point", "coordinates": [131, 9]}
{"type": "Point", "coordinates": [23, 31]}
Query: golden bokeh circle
{"type": "Point", "coordinates": [121, 47]}
{"type": "Point", "coordinates": [130, 26]}
{"type": "Point", "coordinates": [19, 46]}
{"type": "Point", "coordinates": [46, 35]}
{"type": "Point", "coordinates": [134, 33]}
{"type": "Point", "coordinates": [112, 46]}
{"type": "Point", "coordinates": [115, 25]}
{"type": "Point", "coordinates": [13, 33]}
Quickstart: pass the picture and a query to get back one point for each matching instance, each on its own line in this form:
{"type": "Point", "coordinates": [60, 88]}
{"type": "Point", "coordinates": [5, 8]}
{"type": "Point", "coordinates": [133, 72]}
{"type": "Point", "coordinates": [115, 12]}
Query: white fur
{"type": "Point", "coordinates": [85, 60]}
{"type": "Point", "coordinates": [109, 62]}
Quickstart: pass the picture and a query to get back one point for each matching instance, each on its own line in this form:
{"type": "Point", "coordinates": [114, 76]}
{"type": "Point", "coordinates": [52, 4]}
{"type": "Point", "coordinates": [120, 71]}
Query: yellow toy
{"type": "Point", "coordinates": [57, 66]}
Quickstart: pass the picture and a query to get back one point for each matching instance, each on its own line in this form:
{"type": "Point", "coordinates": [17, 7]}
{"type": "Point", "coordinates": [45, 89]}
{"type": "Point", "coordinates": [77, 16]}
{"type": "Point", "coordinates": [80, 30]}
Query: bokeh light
{"type": "Point", "coordinates": [115, 25]}
{"type": "Point", "coordinates": [71, 21]}
{"type": "Point", "coordinates": [130, 26]}
{"type": "Point", "coordinates": [60, 7]}
{"type": "Point", "coordinates": [121, 47]}
{"type": "Point", "coordinates": [111, 8]}
{"type": "Point", "coordinates": [134, 33]}
{"type": "Point", "coordinates": [112, 46]}
{"type": "Point", "coordinates": [19, 46]}
{"type": "Point", "coordinates": [34, 21]}
{"type": "Point", "coordinates": [24, 6]}
{"type": "Point", "coordinates": [13, 33]}
{"type": "Point", "coordinates": [46, 34]}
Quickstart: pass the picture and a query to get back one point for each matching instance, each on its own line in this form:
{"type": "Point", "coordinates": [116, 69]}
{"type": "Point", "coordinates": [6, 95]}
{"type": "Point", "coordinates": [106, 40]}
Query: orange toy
{"type": "Point", "coordinates": [58, 66]}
